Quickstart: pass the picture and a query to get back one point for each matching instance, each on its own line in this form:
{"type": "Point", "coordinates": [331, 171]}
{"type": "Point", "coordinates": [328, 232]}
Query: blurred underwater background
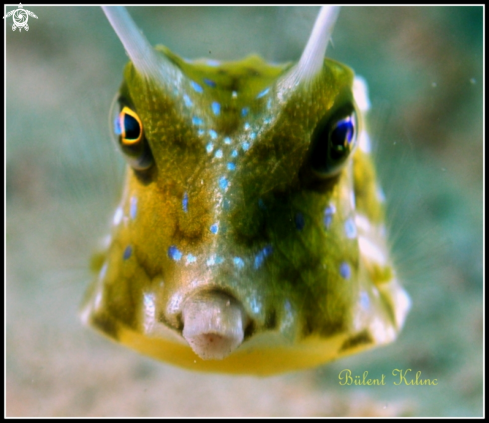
{"type": "Point", "coordinates": [424, 67]}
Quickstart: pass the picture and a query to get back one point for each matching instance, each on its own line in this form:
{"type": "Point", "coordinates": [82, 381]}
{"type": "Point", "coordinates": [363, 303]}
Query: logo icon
{"type": "Point", "coordinates": [20, 17]}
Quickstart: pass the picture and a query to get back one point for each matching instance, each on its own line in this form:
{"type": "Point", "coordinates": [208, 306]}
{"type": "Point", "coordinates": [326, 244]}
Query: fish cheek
{"type": "Point", "coordinates": [309, 257]}
{"type": "Point", "coordinates": [116, 294]}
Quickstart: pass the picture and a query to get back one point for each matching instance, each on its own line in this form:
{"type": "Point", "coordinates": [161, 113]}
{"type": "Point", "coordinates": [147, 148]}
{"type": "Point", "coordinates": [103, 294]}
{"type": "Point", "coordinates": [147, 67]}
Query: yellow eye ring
{"type": "Point", "coordinates": [130, 126]}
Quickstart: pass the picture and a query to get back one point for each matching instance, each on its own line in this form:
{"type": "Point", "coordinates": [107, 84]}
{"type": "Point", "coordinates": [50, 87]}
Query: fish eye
{"type": "Point", "coordinates": [128, 126]}
{"type": "Point", "coordinates": [333, 141]}
{"type": "Point", "coordinates": [129, 132]}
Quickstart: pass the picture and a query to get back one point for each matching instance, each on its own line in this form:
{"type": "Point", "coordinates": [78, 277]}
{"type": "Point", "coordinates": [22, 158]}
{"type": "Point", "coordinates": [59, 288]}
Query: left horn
{"type": "Point", "coordinates": [140, 51]}
{"type": "Point", "coordinates": [312, 59]}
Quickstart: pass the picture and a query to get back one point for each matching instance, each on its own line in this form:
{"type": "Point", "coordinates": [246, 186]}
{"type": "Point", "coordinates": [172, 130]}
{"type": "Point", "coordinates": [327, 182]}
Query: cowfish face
{"type": "Point", "coordinates": [250, 236]}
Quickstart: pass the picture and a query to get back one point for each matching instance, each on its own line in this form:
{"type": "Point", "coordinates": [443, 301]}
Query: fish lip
{"type": "Point", "coordinates": [214, 323]}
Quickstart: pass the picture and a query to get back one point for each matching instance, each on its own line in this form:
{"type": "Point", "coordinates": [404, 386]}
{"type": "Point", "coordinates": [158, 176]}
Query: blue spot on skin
{"type": "Point", "coordinates": [246, 146]}
{"type": "Point", "coordinates": [187, 100]}
{"type": "Point", "coordinates": [263, 93]}
{"type": "Point", "coordinates": [231, 166]}
{"type": "Point", "coordinates": [267, 121]}
{"type": "Point", "coordinates": [191, 258]}
{"type": "Point", "coordinates": [350, 228]}
{"type": "Point", "coordinates": [127, 252]}
{"type": "Point", "coordinates": [185, 202]}
{"type": "Point", "coordinates": [246, 126]}
{"type": "Point", "coordinates": [214, 260]}
{"type": "Point", "coordinates": [219, 154]}
{"type": "Point", "coordinates": [200, 132]}
{"type": "Point", "coordinates": [196, 87]}
{"type": "Point", "coordinates": [258, 260]}
{"type": "Point", "coordinates": [133, 207]}
{"type": "Point", "coordinates": [216, 108]}
{"type": "Point", "coordinates": [234, 153]}
{"type": "Point", "coordinates": [238, 262]}
{"type": "Point", "coordinates": [213, 134]}
{"type": "Point", "coordinates": [214, 228]}
{"type": "Point", "coordinates": [223, 183]}
{"type": "Point", "coordinates": [364, 300]}
{"type": "Point", "coordinates": [260, 257]}
{"type": "Point", "coordinates": [328, 216]}
{"type": "Point", "coordinates": [244, 111]}
{"type": "Point", "coordinates": [261, 204]}
{"type": "Point", "coordinates": [234, 94]}
{"type": "Point", "coordinates": [345, 270]}
{"type": "Point", "coordinates": [227, 140]}
{"type": "Point", "coordinates": [117, 126]}
{"type": "Point", "coordinates": [255, 305]}
{"type": "Point", "coordinates": [209, 83]}
{"type": "Point", "coordinates": [174, 254]}
{"type": "Point", "coordinates": [252, 135]}
{"type": "Point", "coordinates": [299, 221]}
{"type": "Point", "coordinates": [209, 147]}
{"type": "Point", "coordinates": [211, 62]}
{"type": "Point", "coordinates": [197, 121]}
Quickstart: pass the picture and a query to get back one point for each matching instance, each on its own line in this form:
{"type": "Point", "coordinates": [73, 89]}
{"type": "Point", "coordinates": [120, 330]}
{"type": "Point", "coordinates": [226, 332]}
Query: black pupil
{"type": "Point", "coordinates": [131, 127]}
{"type": "Point", "coordinates": [341, 137]}
{"type": "Point", "coordinates": [333, 141]}
{"type": "Point", "coordinates": [342, 134]}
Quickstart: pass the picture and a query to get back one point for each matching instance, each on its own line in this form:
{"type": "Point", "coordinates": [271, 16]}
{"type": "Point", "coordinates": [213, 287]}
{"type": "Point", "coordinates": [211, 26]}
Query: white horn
{"type": "Point", "coordinates": [140, 51]}
{"type": "Point", "coordinates": [312, 59]}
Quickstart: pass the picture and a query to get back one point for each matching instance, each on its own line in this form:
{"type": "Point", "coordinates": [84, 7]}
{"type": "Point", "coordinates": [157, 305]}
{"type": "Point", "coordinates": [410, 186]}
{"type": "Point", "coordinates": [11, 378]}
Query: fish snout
{"type": "Point", "coordinates": [214, 324]}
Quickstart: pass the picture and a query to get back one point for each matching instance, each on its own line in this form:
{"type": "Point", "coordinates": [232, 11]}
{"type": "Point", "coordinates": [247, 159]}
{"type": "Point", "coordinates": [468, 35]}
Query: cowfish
{"type": "Point", "coordinates": [250, 236]}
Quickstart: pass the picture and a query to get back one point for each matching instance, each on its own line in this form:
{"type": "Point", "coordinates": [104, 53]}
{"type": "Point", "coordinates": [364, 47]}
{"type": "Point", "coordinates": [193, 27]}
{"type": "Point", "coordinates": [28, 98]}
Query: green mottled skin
{"type": "Point", "coordinates": [299, 303]}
